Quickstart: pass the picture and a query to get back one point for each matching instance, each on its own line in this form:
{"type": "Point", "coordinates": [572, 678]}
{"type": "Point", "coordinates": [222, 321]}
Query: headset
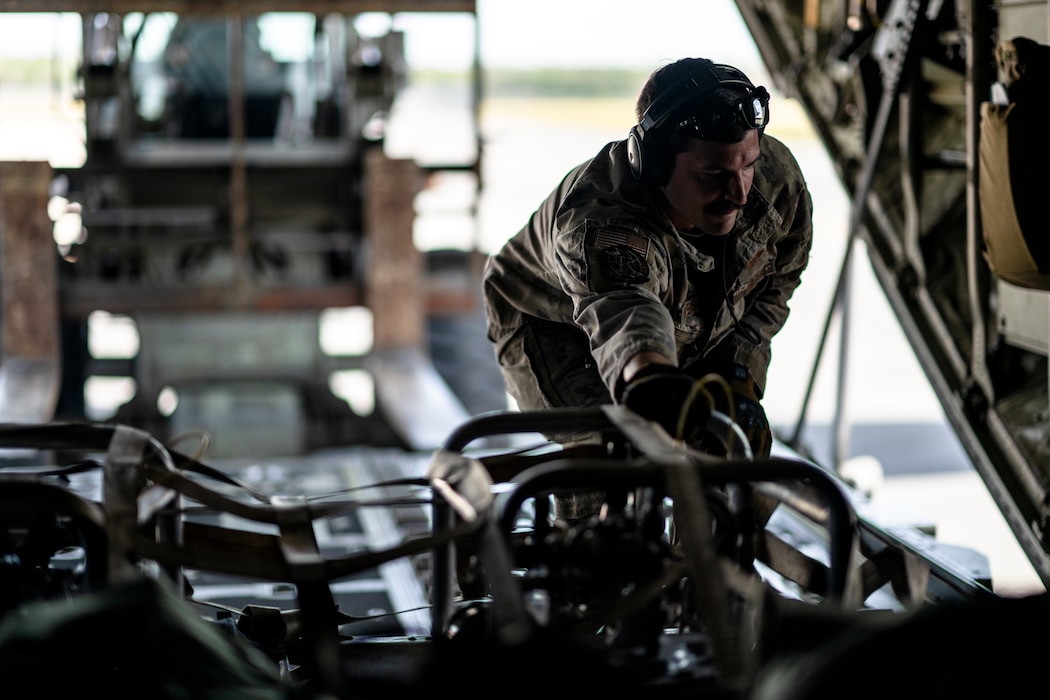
{"type": "Point", "coordinates": [648, 153]}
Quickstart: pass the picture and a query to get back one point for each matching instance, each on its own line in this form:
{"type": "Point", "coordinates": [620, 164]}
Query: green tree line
{"type": "Point", "coordinates": [36, 71]}
{"type": "Point", "coordinates": [541, 82]}
{"type": "Point", "coordinates": [548, 82]}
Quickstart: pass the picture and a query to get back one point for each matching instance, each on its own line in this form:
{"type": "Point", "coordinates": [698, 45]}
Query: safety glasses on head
{"type": "Point", "coordinates": [751, 112]}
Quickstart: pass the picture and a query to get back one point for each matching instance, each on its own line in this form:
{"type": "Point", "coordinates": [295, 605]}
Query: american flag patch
{"type": "Point", "coordinates": [617, 236]}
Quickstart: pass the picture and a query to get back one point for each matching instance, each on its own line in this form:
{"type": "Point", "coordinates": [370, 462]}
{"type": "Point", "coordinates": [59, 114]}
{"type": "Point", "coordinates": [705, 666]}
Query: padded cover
{"type": "Point", "coordinates": [1014, 149]}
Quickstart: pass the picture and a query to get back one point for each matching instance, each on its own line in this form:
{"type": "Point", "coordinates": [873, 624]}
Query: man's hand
{"type": "Point", "coordinates": [751, 418]}
{"type": "Point", "coordinates": [748, 413]}
{"type": "Point", "coordinates": [675, 400]}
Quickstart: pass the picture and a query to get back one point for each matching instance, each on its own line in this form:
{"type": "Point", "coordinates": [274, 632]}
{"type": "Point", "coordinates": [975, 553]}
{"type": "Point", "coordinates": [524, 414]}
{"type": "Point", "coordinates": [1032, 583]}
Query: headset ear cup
{"type": "Point", "coordinates": [634, 152]}
{"type": "Point", "coordinates": [646, 153]}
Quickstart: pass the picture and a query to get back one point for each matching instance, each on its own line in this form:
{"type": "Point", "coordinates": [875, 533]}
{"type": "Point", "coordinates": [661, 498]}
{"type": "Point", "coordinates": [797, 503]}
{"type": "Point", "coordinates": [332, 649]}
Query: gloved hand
{"type": "Point", "coordinates": [665, 395]}
{"type": "Point", "coordinates": [748, 412]}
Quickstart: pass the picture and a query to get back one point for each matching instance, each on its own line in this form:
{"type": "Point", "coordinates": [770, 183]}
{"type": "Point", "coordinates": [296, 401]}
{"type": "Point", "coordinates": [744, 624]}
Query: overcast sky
{"type": "Point", "coordinates": [539, 33]}
{"type": "Point", "coordinates": [604, 33]}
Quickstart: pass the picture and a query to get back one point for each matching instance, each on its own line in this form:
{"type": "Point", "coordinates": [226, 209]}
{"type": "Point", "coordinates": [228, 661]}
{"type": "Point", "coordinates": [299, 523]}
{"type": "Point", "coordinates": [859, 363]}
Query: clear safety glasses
{"type": "Point", "coordinates": [751, 112]}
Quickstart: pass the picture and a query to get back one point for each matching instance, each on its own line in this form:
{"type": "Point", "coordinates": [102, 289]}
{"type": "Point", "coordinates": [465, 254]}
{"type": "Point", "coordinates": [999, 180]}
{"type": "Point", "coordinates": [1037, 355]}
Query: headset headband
{"type": "Point", "coordinates": [692, 90]}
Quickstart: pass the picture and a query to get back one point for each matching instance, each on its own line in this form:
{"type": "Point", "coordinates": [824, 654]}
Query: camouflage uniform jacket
{"type": "Point", "coordinates": [601, 253]}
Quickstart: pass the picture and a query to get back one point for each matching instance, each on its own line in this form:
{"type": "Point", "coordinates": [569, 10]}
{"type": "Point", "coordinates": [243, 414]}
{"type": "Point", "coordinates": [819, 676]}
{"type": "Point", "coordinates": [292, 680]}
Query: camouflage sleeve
{"type": "Point", "coordinates": [617, 286]}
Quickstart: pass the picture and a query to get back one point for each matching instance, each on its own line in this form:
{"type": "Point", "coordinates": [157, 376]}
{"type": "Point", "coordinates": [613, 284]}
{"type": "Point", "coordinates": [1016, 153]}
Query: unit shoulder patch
{"type": "Point", "coordinates": [623, 263]}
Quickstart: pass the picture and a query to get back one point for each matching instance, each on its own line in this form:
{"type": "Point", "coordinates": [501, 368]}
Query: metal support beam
{"type": "Point", "coordinates": [30, 370]}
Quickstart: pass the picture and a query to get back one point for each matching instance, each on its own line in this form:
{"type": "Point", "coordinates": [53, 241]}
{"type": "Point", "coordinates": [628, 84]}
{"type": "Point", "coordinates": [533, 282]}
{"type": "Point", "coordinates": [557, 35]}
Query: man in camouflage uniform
{"type": "Point", "coordinates": [667, 256]}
